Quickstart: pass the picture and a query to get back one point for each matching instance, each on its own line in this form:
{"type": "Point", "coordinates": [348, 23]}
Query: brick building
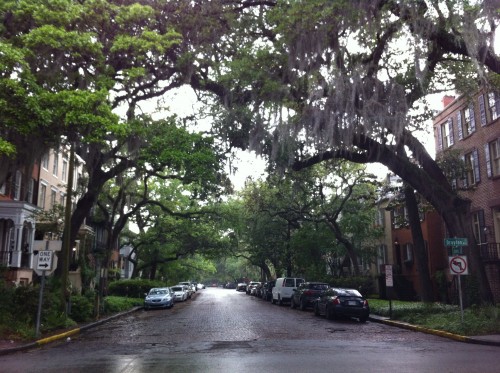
{"type": "Point", "coordinates": [470, 127]}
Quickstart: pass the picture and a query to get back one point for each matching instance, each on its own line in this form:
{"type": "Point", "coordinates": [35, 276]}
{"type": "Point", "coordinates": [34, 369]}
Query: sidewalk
{"type": "Point", "coordinates": [7, 347]}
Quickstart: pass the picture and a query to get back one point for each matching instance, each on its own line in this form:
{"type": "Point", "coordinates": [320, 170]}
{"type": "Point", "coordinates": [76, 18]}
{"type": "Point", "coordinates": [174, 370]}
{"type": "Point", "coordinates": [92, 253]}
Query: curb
{"type": "Point", "coordinates": [53, 338]}
{"type": "Point", "coordinates": [440, 333]}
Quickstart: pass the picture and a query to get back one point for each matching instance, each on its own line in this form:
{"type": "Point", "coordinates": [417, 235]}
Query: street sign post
{"type": "Point", "coordinates": [458, 266]}
{"type": "Point", "coordinates": [389, 283]}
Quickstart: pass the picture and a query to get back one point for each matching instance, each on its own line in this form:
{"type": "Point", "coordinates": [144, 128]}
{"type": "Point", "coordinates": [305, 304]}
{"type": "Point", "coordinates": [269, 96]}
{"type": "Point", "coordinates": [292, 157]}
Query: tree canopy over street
{"type": "Point", "coordinates": [299, 82]}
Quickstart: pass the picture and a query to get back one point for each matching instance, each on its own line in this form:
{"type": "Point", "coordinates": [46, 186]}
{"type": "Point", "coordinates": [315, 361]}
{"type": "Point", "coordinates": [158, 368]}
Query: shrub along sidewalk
{"type": "Point", "coordinates": [476, 320]}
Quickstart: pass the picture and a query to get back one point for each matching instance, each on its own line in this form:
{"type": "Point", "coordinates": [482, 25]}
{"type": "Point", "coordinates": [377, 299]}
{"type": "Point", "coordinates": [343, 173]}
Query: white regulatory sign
{"type": "Point", "coordinates": [44, 260]}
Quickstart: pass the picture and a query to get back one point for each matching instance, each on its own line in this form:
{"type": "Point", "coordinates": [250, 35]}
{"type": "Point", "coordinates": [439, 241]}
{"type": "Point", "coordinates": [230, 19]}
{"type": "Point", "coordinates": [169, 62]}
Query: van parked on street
{"type": "Point", "coordinates": [283, 289]}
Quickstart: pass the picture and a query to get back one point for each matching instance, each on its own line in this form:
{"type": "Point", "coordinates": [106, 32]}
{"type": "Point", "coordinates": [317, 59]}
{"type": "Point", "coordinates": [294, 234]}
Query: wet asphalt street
{"type": "Point", "coordinates": [222, 330]}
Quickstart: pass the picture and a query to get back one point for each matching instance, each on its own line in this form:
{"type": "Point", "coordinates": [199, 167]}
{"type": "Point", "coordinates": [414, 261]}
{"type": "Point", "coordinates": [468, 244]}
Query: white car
{"type": "Point", "coordinates": [283, 289]}
{"type": "Point", "coordinates": [180, 293]}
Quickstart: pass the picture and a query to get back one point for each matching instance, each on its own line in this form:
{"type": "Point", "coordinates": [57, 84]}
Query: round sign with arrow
{"type": "Point", "coordinates": [458, 265]}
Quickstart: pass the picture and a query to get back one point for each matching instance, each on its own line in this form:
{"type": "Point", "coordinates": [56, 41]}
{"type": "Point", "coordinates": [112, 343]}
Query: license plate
{"type": "Point", "coordinates": [352, 303]}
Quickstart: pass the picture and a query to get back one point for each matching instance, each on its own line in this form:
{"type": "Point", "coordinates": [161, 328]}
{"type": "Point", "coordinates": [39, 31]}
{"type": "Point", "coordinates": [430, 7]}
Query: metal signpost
{"type": "Point", "coordinates": [457, 264]}
{"type": "Point", "coordinates": [44, 266]}
{"type": "Point", "coordinates": [389, 283]}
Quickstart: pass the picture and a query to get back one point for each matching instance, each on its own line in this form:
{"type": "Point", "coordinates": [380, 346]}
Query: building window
{"type": "Point", "coordinates": [446, 131]}
{"type": "Point", "coordinates": [62, 199]}
{"type": "Point", "coordinates": [492, 154]}
{"type": "Point", "coordinates": [478, 226]}
{"type": "Point", "coordinates": [45, 161]}
{"type": "Point", "coordinates": [64, 176]}
{"type": "Point", "coordinates": [400, 217]}
{"type": "Point", "coordinates": [466, 122]}
{"type": "Point", "coordinates": [381, 257]}
{"type": "Point", "coordinates": [53, 197]}
{"type": "Point", "coordinates": [31, 188]}
{"type": "Point", "coordinates": [493, 105]}
{"type": "Point", "coordinates": [408, 252]}
{"type": "Point", "coordinates": [17, 186]}
{"type": "Point", "coordinates": [472, 175]}
{"type": "Point", "coordinates": [55, 167]}
{"type": "Point", "coordinates": [43, 192]}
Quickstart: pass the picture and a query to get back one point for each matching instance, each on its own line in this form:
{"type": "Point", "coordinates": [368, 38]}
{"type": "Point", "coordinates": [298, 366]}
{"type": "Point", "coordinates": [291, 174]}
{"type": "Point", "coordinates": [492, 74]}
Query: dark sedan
{"type": "Point", "coordinates": [306, 294]}
{"type": "Point", "coordinates": [335, 302]}
{"type": "Point", "coordinates": [266, 291]}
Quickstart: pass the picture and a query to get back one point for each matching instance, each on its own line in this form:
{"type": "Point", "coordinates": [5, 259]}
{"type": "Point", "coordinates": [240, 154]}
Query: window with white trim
{"type": "Point", "coordinates": [492, 155]}
{"type": "Point", "coordinates": [408, 252]}
{"type": "Point", "coordinates": [53, 197]}
{"type": "Point", "coordinates": [446, 134]}
{"type": "Point", "coordinates": [493, 105]}
{"type": "Point", "coordinates": [466, 122]}
{"type": "Point", "coordinates": [64, 176]}
{"type": "Point", "coordinates": [55, 168]}
{"type": "Point", "coordinates": [43, 192]}
{"type": "Point", "coordinates": [45, 161]}
{"type": "Point", "coordinates": [472, 175]}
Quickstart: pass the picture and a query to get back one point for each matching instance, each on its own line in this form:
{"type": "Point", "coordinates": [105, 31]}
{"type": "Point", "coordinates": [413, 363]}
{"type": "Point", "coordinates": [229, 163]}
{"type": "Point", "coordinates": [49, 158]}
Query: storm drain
{"type": "Point", "coordinates": [333, 330]}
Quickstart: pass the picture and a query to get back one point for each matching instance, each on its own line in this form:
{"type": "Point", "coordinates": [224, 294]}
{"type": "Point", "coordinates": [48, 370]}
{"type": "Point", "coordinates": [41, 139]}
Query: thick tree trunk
{"type": "Point", "coordinates": [421, 258]}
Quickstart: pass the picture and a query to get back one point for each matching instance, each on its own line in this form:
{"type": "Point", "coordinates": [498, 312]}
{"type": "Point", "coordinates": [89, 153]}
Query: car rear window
{"type": "Point", "coordinates": [177, 288]}
{"type": "Point", "coordinates": [348, 292]}
{"type": "Point", "coordinates": [289, 283]}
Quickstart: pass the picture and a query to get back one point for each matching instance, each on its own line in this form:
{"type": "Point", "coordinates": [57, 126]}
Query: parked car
{"type": "Point", "coordinates": [255, 287]}
{"type": "Point", "coordinates": [230, 285]}
{"type": "Point", "coordinates": [283, 289]}
{"type": "Point", "coordinates": [191, 287]}
{"type": "Point", "coordinates": [200, 286]}
{"type": "Point", "coordinates": [242, 286]}
{"type": "Point", "coordinates": [159, 298]}
{"type": "Point", "coordinates": [266, 291]}
{"type": "Point", "coordinates": [180, 293]}
{"type": "Point", "coordinates": [306, 294]}
{"type": "Point", "coordinates": [335, 302]}
{"type": "Point", "coordinates": [250, 286]}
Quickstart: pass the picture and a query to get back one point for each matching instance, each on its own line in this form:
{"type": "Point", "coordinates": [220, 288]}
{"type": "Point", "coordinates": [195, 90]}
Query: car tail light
{"type": "Point", "coordinates": [365, 303]}
{"type": "Point", "coordinates": [336, 301]}
{"type": "Point", "coordinates": [308, 292]}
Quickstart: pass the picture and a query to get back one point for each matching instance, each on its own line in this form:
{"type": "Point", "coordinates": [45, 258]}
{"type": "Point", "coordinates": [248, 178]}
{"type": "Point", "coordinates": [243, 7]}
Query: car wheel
{"type": "Point", "coordinates": [292, 303]}
{"type": "Point", "coordinates": [303, 305]}
{"type": "Point", "coordinates": [272, 300]}
{"type": "Point", "coordinates": [363, 319]}
{"type": "Point", "coordinates": [316, 309]}
{"type": "Point", "coordinates": [280, 301]}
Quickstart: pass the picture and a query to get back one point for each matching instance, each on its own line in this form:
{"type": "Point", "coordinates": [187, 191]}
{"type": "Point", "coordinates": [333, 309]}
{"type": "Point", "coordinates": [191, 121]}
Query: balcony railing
{"type": "Point", "coordinates": [490, 251]}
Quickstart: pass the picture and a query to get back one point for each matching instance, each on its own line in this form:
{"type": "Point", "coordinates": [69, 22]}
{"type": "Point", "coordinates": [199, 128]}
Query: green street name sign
{"type": "Point", "coordinates": [455, 241]}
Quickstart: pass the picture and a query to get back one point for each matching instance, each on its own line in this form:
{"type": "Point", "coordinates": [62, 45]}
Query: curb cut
{"type": "Point", "coordinates": [77, 330]}
{"type": "Point", "coordinates": [440, 333]}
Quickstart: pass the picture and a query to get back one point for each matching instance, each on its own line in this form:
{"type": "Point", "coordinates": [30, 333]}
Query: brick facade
{"type": "Point", "coordinates": [470, 125]}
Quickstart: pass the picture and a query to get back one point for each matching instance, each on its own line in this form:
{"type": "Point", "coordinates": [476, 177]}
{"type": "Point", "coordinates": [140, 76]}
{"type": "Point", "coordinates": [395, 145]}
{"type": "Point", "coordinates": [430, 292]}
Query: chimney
{"type": "Point", "coordinates": [447, 100]}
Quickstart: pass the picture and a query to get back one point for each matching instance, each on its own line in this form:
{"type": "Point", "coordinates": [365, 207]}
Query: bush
{"type": "Point", "coordinates": [82, 308]}
{"type": "Point", "coordinates": [133, 288]}
{"type": "Point", "coordinates": [363, 284]}
{"type": "Point", "coordinates": [118, 304]}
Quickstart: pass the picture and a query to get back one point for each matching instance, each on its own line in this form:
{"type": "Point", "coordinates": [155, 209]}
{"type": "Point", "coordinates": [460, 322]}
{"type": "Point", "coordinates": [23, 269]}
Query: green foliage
{"type": "Point", "coordinates": [82, 307]}
{"type": "Point", "coordinates": [364, 284]}
{"type": "Point", "coordinates": [113, 304]}
{"type": "Point", "coordinates": [134, 288]}
{"type": "Point", "coordinates": [477, 320]}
